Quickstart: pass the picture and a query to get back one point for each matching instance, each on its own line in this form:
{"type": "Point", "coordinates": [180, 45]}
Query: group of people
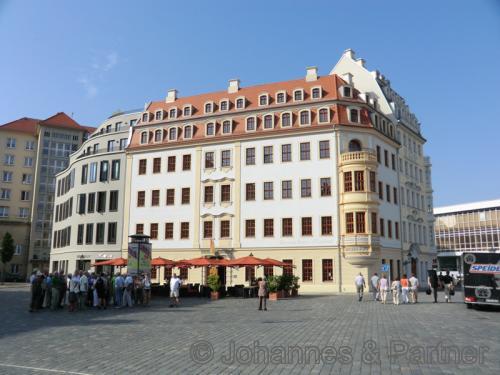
{"type": "Point", "coordinates": [404, 288]}
{"type": "Point", "coordinates": [82, 290]}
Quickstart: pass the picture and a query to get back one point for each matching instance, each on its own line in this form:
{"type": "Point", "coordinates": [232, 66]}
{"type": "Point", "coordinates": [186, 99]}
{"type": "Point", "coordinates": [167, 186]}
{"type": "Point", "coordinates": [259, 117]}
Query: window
{"type": "Point", "coordinates": [250, 228]}
{"type": "Point", "coordinates": [186, 111]}
{"type": "Point", "coordinates": [24, 212]}
{"type": "Point", "coordinates": [380, 190]}
{"type": "Point", "coordinates": [171, 164]}
{"type": "Point", "coordinates": [209, 194]}
{"type": "Point", "coordinates": [183, 273]}
{"type": "Point", "coordinates": [139, 228]}
{"type": "Point", "coordinates": [326, 186]}
{"type": "Point", "coordinates": [268, 227]}
{"type": "Point", "coordinates": [268, 122]}
{"type": "Point", "coordinates": [209, 160]}
{"type": "Point", "coordinates": [5, 194]}
{"type": "Point", "coordinates": [7, 176]}
{"type": "Point", "coordinates": [354, 115]}
{"type": "Point", "coordinates": [263, 99]}
{"type": "Point", "coordinates": [373, 183]}
{"type": "Point", "coordinates": [11, 143]}
{"type": "Point", "coordinates": [327, 269]}
{"type": "Point", "coordinates": [305, 117]}
{"type": "Point", "coordinates": [286, 153]}
{"type": "Point", "coordinates": [225, 158]}
{"type": "Point", "coordinates": [112, 232]}
{"type": "Point", "coordinates": [378, 154]}
{"type": "Point", "coordinates": [170, 197]}
{"type": "Point", "coordinates": [360, 222]}
{"type": "Point", "coordinates": [89, 235]}
{"type": "Point", "coordinates": [186, 195]}
{"type": "Point", "coordinates": [268, 271]}
{"type": "Point", "coordinates": [349, 222]}
{"type": "Point", "coordinates": [382, 227]}
{"type": "Point", "coordinates": [250, 156]}
{"type": "Point", "coordinates": [323, 115]}
{"type": "Point", "coordinates": [307, 226]}
{"type": "Point", "coordinates": [249, 273]}
{"type": "Point", "coordinates": [268, 154]}
{"type": "Point", "coordinates": [326, 225]}
{"type": "Point", "coordinates": [99, 235]}
{"type": "Point", "coordinates": [158, 116]}
{"type": "Point", "coordinates": [111, 146]}
{"type": "Point", "coordinates": [79, 237]}
{"type": "Point", "coordinates": [101, 201]}
{"type": "Point", "coordinates": [393, 161]}
{"type": "Point", "coordinates": [324, 149]}
{"type": "Point", "coordinates": [4, 211]}
{"type": "Point", "coordinates": [251, 124]}
{"type": "Point", "coordinates": [225, 229]}
{"type": "Point", "coordinates": [388, 193]}
{"type": "Point", "coordinates": [104, 171]}
{"type": "Point", "coordinates": [123, 143]}
{"type": "Point", "coordinates": [91, 202]}
{"type": "Point", "coordinates": [347, 92]}
{"type": "Point", "coordinates": [286, 120]}
{"type": "Point", "coordinates": [9, 159]}
{"type": "Point", "coordinates": [240, 103]}
{"type": "Point", "coordinates": [83, 179]}
{"type": "Point", "coordinates": [226, 127]}
{"type": "Point", "coordinates": [141, 198]}
{"type": "Point", "coordinates": [359, 181]}
{"type": "Point", "coordinates": [298, 95]}
{"type": "Point", "coordinates": [316, 93]}
{"type": "Point", "coordinates": [169, 231]}
{"type": "Point", "coordinates": [155, 198]}
{"type": "Point", "coordinates": [186, 162]}
{"type": "Point", "coordinates": [115, 170]}
{"type": "Point", "coordinates": [172, 134]}
{"type": "Point", "coordinates": [250, 192]}
{"type": "Point", "coordinates": [153, 231]}
{"type": "Point", "coordinates": [210, 129]}
{"type": "Point", "coordinates": [395, 195]}
{"type": "Point", "coordinates": [268, 190]}
{"type": "Point", "coordinates": [144, 137]}
{"type": "Point", "coordinates": [280, 97]}
{"type": "Point", "coordinates": [287, 227]}
{"type": "Point", "coordinates": [27, 178]}
{"type": "Point", "coordinates": [25, 195]}
{"type": "Point", "coordinates": [28, 161]}
{"type": "Point", "coordinates": [225, 193]}
{"type": "Point", "coordinates": [305, 188]}
{"type": "Point", "coordinates": [307, 269]}
{"type": "Point", "coordinates": [396, 230]}
{"type": "Point", "coordinates": [184, 230]}
{"type": "Point", "coordinates": [389, 228]}
{"type": "Point", "coordinates": [286, 189]}
{"type": "Point", "coordinates": [386, 158]}
{"type": "Point", "coordinates": [30, 145]}
{"type": "Point", "coordinates": [208, 108]}
{"type": "Point", "coordinates": [207, 229]}
{"type": "Point", "coordinates": [305, 151]}
{"type": "Point", "coordinates": [188, 132]}
{"type": "Point", "coordinates": [156, 165]}
{"type": "Point", "coordinates": [113, 200]}
{"type": "Point", "coordinates": [145, 117]}
{"type": "Point", "coordinates": [374, 222]}
{"type": "Point", "coordinates": [142, 166]}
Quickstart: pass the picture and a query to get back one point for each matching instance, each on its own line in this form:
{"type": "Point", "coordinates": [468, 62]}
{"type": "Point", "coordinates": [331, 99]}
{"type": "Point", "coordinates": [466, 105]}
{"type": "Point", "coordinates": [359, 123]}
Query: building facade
{"type": "Point", "coordinates": [415, 184]}
{"type": "Point", "coordinates": [298, 171]}
{"type": "Point", "coordinates": [89, 198]}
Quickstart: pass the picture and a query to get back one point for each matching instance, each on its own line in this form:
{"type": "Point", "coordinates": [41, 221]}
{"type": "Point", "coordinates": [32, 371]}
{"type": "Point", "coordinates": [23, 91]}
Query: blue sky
{"type": "Point", "coordinates": [91, 58]}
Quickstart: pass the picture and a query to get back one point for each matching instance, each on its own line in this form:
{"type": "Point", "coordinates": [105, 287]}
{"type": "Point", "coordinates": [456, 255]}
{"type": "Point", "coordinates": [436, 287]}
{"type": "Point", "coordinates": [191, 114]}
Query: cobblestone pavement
{"type": "Point", "coordinates": [333, 334]}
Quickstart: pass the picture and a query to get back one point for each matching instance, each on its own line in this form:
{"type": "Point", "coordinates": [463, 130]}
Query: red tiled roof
{"type": "Point", "coordinates": [22, 125]}
{"type": "Point", "coordinates": [61, 120]}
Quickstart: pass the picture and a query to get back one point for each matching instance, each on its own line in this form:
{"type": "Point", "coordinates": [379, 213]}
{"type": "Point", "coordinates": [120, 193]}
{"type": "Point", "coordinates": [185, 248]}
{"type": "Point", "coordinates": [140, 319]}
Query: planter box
{"type": "Point", "coordinates": [214, 296]}
{"type": "Point", "coordinates": [273, 296]}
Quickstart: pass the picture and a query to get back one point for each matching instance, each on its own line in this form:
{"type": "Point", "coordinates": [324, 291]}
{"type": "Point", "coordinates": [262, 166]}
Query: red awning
{"type": "Point", "coordinates": [118, 262]}
{"type": "Point", "coordinates": [162, 262]}
{"type": "Point", "coordinates": [205, 262]}
{"type": "Point", "coordinates": [278, 263]}
{"type": "Point", "coordinates": [248, 261]}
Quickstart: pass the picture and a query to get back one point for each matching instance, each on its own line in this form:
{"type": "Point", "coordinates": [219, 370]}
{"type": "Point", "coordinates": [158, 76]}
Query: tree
{"type": "Point", "coordinates": [7, 251]}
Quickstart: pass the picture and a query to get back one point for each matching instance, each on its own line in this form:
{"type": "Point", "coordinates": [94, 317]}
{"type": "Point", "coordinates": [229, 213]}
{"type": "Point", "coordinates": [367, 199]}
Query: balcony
{"type": "Point", "coordinates": [358, 157]}
{"type": "Point", "coordinates": [360, 240]}
{"type": "Point", "coordinates": [360, 249]}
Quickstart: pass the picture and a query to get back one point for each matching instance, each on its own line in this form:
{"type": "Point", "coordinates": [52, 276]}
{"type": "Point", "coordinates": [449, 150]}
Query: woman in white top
{"type": "Point", "coordinates": [395, 287]}
{"type": "Point", "coordinates": [383, 286]}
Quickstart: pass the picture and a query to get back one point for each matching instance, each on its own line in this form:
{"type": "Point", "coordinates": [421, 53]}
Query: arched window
{"type": "Point", "coordinates": [226, 127]}
{"type": "Point", "coordinates": [268, 122]}
{"type": "Point", "coordinates": [145, 117]}
{"type": "Point", "coordinates": [304, 118]}
{"type": "Point", "coordinates": [144, 137]}
{"type": "Point", "coordinates": [158, 115]}
{"type": "Point", "coordinates": [172, 134]}
{"type": "Point", "coordinates": [251, 124]}
{"type": "Point", "coordinates": [158, 135]}
{"type": "Point", "coordinates": [188, 132]}
{"type": "Point", "coordinates": [210, 129]}
{"type": "Point", "coordinates": [286, 120]}
{"type": "Point", "coordinates": [173, 113]}
{"type": "Point", "coordinates": [354, 145]}
{"type": "Point", "coordinates": [208, 108]}
{"type": "Point", "coordinates": [323, 115]}
{"type": "Point", "coordinates": [263, 99]}
{"type": "Point", "coordinates": [354, 115]}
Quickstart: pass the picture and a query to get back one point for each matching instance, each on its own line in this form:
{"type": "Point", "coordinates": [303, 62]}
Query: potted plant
{"type": "Point", "coordinates": [295, 286]}
{"type": "Point", "coordinates": [272, 286]}
{"type": "Point", "coordinates": [285, 285]}
{"type": "Point", "coordinates": [214, 285]}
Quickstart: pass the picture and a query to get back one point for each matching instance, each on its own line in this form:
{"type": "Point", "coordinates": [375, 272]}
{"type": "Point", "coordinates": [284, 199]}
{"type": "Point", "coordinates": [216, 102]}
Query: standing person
{"type": "Point", "coordinates": [383, 287]}
{"type": "Point", "coordinates": [374, 284]}
{"type": "Point", "coordinates": [127, 292]}
{"type": "Point", "coordinates": [405, 288]}
{"type": "Point", "coordinates": [138, 287]}
{"type": "Point", "coordinates": [395, 287]}
{"type": "Point", "coordinates": [175, 284]}
{"type": "Point", "coordinates": [63, 290]}
{"type": "Point", "coordinates": [72, 297]}
{"type": "Point", "coordinates": [36, 292]}
{"type": "Point", "coordinates": [56, 287]}
{"type": "Point", "coordinates": [262, 293]}
{"type": "Point", "coordinates": [119, 284]}
{"type": "Point", "coordinates": [414, 288]}
{"type": "Point", "coordinates": [100, 287]}
{"type": "Point", "coordinates": [47, 300]}
{"type": "Point", "coordinates": [448, 285]}
{"type": "Point", "coordinates": [433, 282]}
{"type": "Point", "coordinates": [84, 289]}
{"type": "Point", "coordinates": [359, 281]}
{"type": "Point", "coordinates": [147, 289]}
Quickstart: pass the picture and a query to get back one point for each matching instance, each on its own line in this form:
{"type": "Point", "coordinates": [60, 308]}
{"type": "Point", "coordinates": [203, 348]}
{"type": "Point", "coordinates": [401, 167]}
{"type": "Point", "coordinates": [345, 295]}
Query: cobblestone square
{"type": "Point", "coordinates": [309, 334]}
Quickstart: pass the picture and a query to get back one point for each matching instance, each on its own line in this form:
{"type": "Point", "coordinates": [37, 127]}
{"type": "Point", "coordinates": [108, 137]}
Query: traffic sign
{"type": "Point", "coordinates": [384, 267]}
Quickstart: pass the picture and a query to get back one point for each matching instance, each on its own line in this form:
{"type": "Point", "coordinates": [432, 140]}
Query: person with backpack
{"type": "Point", "coordinates": [447, 281]}
{"type": "Point", "coordinates": [100, 287]}
{"type": "Point", "coordinates": [433, 282]}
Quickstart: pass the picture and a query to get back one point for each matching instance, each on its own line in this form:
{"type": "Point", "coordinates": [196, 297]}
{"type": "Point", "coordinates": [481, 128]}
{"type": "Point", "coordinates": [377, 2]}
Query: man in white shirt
{"type": "Point", "coordinates": [127, 293]}
{"type": "Point", "coordinates": [119, 285]}
{"type": "Point", "coordinates": [84, 288]}
{"type": "Point", "coordinates": [374, 284]}
{"type": "Point", "coordinates": [413, 288]}
{"type": "Point", "coordinates": [359, 281]}
{"type": "Point", "coordinates": [175, 284]}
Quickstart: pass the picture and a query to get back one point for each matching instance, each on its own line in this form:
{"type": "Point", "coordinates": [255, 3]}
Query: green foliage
{"type": "Point", "coordinates": [213, 282]}
{"type": "Point", "coordinates": [285, 282]}
{"type": "Point", "coordinates": [295, 283]}
{"type": "Point", "coordinates": [8, 248]}
{"type": "Point", "coordinates": [272, 283]}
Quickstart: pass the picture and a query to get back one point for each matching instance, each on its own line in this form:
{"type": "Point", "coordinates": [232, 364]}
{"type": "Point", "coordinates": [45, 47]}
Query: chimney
{"type": "Point", "coordinates": [311, 74]}
{"type": "Point", "coordinates": [347, 77]}
{"type": "Point", "coordinates": [349, 53]}
{"type": "Point", "coordinates": [361, 62]}
{"type": "Point", "coordinates": [171, 96]}
{"type": "Point", "coordinates": [234, 86]}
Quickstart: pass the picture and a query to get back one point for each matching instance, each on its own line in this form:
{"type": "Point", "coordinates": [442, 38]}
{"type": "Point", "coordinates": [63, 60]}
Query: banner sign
{"type": "Point", "coordinates": [139, 258]}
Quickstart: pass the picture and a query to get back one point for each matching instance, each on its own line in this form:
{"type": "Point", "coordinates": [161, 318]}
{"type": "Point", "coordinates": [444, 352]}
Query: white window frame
{"type": "Point", "coordinates": [211, 106]}
{"type": "Point", "coordinates": [342, 91]}
{"type": "Point", "coordinates": [147, 114]}
{"type": "Point", "coordinates": [320, 92]}
{"type": "Point", "coordinates": [244, 102]}
{"type": "Point", "coordinates": [206, 128]}
{"type": "Point", "coordinates": [184, 131]}
{"type": "Point", "coordinates": [176, 133]}
{"type": "Point", "coordinates": [190, 110]}
{"type": "Point", "coordinates": [220, 105]}
{"type": "Point", "coordinates": [291, 119]}
{"type": "Point", "coordinates": [176, 113]}
{"type": "Point", "coordinates": [328, 115]}
{"type": "Point", "coordinates": [161, 135]}
{"type": "Point", "coordinates": [264, 121]}
{"type": "Point", "coordinates": [255, 124]}
{"type": "Point", "coordinates": [276, 96]}
{"type": "Point", "coordinates": [267, 99]}
{"type": "Point", "coordinates": [349, 114]}
{"type": "Point", "coordinates": [300, 117]}
{"type": "Point", "coordinates": [230, 124]}
{"type": "Point", "coordinates": [147, 138]}
{"type": "Point", "coordinates": [302, 96]}
{"type": "Point", "coordinates": [161, 115]}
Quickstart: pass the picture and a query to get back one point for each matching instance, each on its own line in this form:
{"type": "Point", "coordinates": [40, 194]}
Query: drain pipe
{"type": "Point", "coordinates": [337, 173]}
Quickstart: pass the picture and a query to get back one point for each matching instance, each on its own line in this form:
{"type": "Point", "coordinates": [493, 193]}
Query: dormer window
{"type": "Point", "coordinates": [172, 134]}
{"type": "Point", "coordinates": [209, 107]}
{"type": "Point", "coordinates": [144, 138]}
{"type": "Point", "coordinates": [347, 92]}
{"type": "Point", "coordinates": [316, 93]}
{"type": "Point", "coordinates": [240, 103]}
{"type": "Point", "coordinates": [354, 115]}
{"type": "Point", "coordinates": [298, 95]}
{"type": "Point", "coordinates": [145, 117]}
{"type": "Point", "coordinates": [224, 105]}
{"type": "Point", "coordinates": [227, 127]}
{"type": "Point", "coordinates": [172, 113]}
{"type": "Point", "coordinates": [251, 124]}
{"type": "Point", "coordinates": [305, 117]}
{"type": "Point", "coordinates": [323, 116]}
{"type": "Point", "coordinates": [286, 120]}
{"type": "Point", "coordinates": [281, 97]}
{"type": "Point", "coordinates": [264, 99]}
{"type": "Point", "coordinates": [268, 122]}
{"type": "Point", "coordinates": [158, 115]}
{"type": "Point", "coordinates": [188, 132]}
{"type": "Point", "coordinates": [210, 129]}
{"type": "Point", "coordinates": [158, 135]}
{"type": "Point", "coordinates": [186, 111]}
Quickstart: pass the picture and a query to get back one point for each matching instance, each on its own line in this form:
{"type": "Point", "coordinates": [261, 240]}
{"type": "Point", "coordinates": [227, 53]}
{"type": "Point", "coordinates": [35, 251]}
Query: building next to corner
{"type": "Point", "coordinates": [415, 183]}
{"type": "Point", "coordinates": [33, 152]}
{"type": "Point", "coordinates": [89, 198]}
{"type": "Point", "coordinates": [304, 171]}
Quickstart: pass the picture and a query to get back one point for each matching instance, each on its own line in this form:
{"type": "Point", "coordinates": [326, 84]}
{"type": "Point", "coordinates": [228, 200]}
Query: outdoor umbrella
{"type": "Point", "coordinates": [162, 262]}
{"type": "Point", "coordinates": [277, 263]}
{"type": "Point", "coordinates": [207, 262]}
{"type": "Point", "coordinates": [248, 261]}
